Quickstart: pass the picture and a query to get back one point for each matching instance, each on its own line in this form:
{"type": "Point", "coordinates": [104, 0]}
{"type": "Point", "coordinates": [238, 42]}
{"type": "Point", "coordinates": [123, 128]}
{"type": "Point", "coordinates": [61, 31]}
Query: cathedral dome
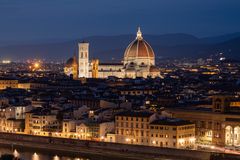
{"type": "Point", "coordinates": [71, 62]}
{"type": "Point", "coordinates": [139, 49]}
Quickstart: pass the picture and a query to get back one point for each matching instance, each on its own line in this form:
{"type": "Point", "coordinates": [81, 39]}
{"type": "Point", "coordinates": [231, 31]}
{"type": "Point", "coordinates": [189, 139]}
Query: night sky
{"type": "Point", "coordinates": [66, 19]}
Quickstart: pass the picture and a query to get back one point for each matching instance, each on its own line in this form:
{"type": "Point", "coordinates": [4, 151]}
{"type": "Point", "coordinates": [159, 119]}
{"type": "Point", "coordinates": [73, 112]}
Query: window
{"type": "Point", "coordinates": [136, 132]}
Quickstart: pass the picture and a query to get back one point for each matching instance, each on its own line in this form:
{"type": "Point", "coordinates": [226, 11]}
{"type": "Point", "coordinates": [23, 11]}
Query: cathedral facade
{"type": "Point", "coordinates": [138, 61]}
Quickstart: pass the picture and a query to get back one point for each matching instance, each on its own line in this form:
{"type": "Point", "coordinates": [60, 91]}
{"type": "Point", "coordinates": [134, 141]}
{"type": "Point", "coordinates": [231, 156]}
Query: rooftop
{"type": "Point", "coordinates": [135, 114]}
{"type": "Point", "coordinates": [171, 122]}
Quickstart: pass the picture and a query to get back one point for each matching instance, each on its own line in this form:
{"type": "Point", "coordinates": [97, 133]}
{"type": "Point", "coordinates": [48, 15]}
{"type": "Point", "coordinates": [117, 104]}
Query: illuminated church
{"type": "Point", "coordinates": [138, 61]}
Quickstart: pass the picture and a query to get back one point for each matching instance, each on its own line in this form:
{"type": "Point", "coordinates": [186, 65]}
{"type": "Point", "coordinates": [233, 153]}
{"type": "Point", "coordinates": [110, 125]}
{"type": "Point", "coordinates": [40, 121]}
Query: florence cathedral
{"type": "Point", "coordinates": [138, 61]}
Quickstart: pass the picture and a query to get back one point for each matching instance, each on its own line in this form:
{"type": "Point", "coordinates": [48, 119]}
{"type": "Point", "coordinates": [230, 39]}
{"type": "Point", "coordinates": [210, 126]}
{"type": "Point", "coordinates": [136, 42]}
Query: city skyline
{"type": "Point", "coordinates": [129, 79]}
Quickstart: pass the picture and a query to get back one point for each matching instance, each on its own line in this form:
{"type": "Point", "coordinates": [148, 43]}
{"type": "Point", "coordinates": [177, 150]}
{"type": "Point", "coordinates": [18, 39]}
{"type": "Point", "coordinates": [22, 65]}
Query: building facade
{"type": "Point", "coordinates": [8, 83]}
{"type": "Point", "coordinates": [172, 133]}
{"type": "Point", "coordinates": [41, 124]}
{"type": "Point", "coordinates": [219, 125]}
{"type": "Point", "coordinates": [144, 128]}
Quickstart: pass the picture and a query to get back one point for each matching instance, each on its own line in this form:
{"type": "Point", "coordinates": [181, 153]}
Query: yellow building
{"type": "Point", "coordinates": [32, 85]}
{"type": "Point", "coordinates": [133, 127]}
{"type": "Point", "coordinates": [218, 125]}
{"type": "Point", "coordinates": [41, 124]}
{"type": "Point", "coordinates": [88, 131]}
{"type": "Point", "coordinates": [11, 125]}
{"type": "Point", "coordinates": [172, 133]}
{"type": "Point", "coordinates": [69, 129]}
{"type": "Point", "coordinates": [144, 128]}
{"type": "Point", "coordinates": [8, 83]}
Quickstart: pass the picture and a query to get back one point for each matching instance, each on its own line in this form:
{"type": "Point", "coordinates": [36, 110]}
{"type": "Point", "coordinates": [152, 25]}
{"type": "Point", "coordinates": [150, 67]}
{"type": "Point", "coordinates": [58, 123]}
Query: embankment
{"type": "Point", "coordinates": [103, 149]}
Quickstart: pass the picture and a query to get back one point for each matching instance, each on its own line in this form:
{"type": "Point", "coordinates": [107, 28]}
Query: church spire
{"type": "Point", "coordinates": [139, 34]}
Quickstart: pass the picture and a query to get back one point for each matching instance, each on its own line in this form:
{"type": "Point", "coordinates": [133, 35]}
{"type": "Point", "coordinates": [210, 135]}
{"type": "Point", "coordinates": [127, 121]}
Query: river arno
{"type": "Point", "coordinates": [30, 154]}
{"type": "Point", "coordinates": [33, 154]}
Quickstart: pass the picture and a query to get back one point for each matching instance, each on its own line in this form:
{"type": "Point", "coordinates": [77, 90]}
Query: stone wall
{"type": "Point", "coordinates": [190, 154]}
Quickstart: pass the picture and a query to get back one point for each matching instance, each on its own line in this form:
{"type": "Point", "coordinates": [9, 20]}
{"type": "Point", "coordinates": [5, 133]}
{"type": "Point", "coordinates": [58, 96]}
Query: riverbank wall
{"type": "Point", "coordinates": [102, 148]}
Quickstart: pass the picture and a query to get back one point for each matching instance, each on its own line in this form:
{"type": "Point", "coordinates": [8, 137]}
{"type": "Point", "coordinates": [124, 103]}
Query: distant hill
{"type": "Point", "coordinates": [107, 48]}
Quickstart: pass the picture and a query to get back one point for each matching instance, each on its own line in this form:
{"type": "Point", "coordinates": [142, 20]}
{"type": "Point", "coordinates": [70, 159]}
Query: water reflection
{"type": "Point", "coordinates": [35, 156]}
{"type": "Point", "coordinates": [25, 154]}
{"type": "Point", "coordinates": [56, 158]}
{"type": "Point", "coordinates": [15, 153]}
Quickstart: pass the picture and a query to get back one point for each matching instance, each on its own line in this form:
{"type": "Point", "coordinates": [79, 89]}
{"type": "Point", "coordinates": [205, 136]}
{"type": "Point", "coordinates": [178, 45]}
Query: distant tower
{"type": "Point", "coordinates": [83, 60]}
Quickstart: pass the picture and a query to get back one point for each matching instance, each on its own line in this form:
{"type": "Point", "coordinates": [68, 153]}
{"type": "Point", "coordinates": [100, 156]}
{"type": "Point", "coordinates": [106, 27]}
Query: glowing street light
{"type": "Point", "coordinates": [36, 65]}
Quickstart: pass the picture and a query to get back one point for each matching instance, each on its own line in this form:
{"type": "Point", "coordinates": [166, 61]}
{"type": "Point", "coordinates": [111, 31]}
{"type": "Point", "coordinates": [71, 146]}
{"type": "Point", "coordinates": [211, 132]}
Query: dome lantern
{"type": "Point", "coordinates": [139, 34]}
